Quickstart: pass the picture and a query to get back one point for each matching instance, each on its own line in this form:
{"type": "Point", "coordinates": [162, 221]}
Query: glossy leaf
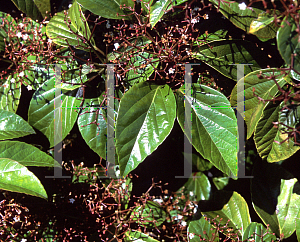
{"type": "Point", "coordinates": [146, 117]}
{"type": "Point", "coordinates": [288, 44]}
{"type": "Point", "coordinates": [223, 54]}
{"type": "Point", "coordinates": [200, 163]}
{"type": "Point", "coordinates": [199, 188]}
{"type": "Point", "coordinates": [226, 206]}
{"type": "Point", "coordinates": [10, 94]}
{"type": "Point", "coordinates": [15, 177]}
{"type": "Point", "coordinates": [264, 87]}
{"type": "Point", "coordinates": [201, 229]}
{"type": "Point", "coordinates": [220, 182]}
{"type": "Point", "coordinates": [262, 21]}
{"type": "Point", "coordinates": [62, 29]}
{"type": "Point", "coordinates": [242, 18]}
{"type": "Point", "coordinates": [108, 9]}
{"type": "Point", "coordinates": [35, 9]}
{"type": "Point", "coordinates": [13, 126]}
{"type": "Point", "coordinates": [275, 197]}
{"type": "Point", "coordinates": [134, 235]}
{"type": "Point", "coordinates": [214, 126]}
{"type": "Point", "coordinates": [256, 231]}
{"type": "Point", "coordinates": [94, 134]}
{"type": "Point", "coordinates": [157, 10]}
{"type": "Point", "coordinates": [265, 134]}
{"type": "Point", "coordinates": [41, 111]}
{"type": "Point", "coordinates": [149, 214]}
{"type": "Point", "coordinates": [298, 226]}
{"type": "Point", "coordinates": [25, 154]}
{"type": "Point", "coordinates": [220, 34]}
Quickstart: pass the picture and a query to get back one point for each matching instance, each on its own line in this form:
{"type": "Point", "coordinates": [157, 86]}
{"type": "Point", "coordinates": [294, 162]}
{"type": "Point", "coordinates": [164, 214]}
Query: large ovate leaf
{"type": "Point", "coordinates": [146, 117]}
{"type": "Point", "coordinates": [265, 133]}
{"type": "Point", "coordinates": [276, 197]}
{"type": "Point", "coordinates": [13, 126]}
{"type": "Point", "coordinates": [25, 154]}
{"type": "Point", "coordinates": [256, 231]}
{"type": "Point", "coordinates": [41, 111]}
{"type": "Point", "coordinates": [288, 42]}
{"type": "Point", "coordinates": [214, 126]}
{"type": "Point", "coordinates": [157, 10]}
{"type": "Point", "coordinates": [227, 206]}
{"type": "Point", "coordinates": [265, 88]}
{"type": "Point", "coordinates": [10, 94]}
{"type": "Point", "coordinates": [35, 9]}
{"type": "Point", "coordinates": [93, 125]}
{"type": "Point", "coordinates": [108, 9]}
{"type": "Point", "coordinates": [7, 23]}
{"type": "Point", "coordinates": [63, 29]}
{"type": "Point", "coordinates": [15, 177]}
{"type": "Point", "coordinates": [242, 18]}
{"type": "Point", "coordinates": [201, 229]}
{"type": "Point", "coordinates": [223, 54]}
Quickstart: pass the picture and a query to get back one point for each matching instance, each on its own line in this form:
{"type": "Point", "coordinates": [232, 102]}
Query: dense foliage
{"type": "Point", "coordinates": [143, 47]}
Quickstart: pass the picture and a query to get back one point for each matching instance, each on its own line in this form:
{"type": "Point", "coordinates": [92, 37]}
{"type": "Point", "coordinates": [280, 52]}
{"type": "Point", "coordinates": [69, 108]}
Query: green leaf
{"type": "Point", "coordinates": [200, 163]}
{"type": "Point", "coordinates": [243, 18]}
{"type": "Point", "coordinates": [63, 29]}
{"type": "Point", "coordinates": [25, 154]}
{"type": "Point", "coordinates": [275, 197]}
{"type": "Point", "coordinates": [109, 9]}
{"type": "Point", "coordinates": [10, 94]}
{"type": "Point", "coordinates": [288, 44]}
{"type": "Point", "coordinates": [298, 226]}
{"type": "Point", "coordinates": [262, 21]}
{"type": "Point", "coordinates": [41, 111]}
{"type": "Point", "coordinates": [94, 134]}
{"type": "Point", "coordinates": [13, 126]}
{"type": "Point", "coordinates": [214, 126]}
{"type": "Point", "coordinates": [7, 22]}
{"type": "Point", "coordinates": [136, 236]}
{"type": "Point", "coordinates": [206, 37]}
{"type": "Point", "coordinates": [199, 188]}
{"type": "Point", "coordinates": [201, 229]}
{"type": "Point", "coordinates": [158, 10]}
{"type": "Point", "coordinates": [35, 9]}
{"type": "Point", "coordinates": [15, 177]}
{"type": "Point", "coordinates": [146, 117]}
{"type": "Point", "coordinates": [149, 214]}
{"type": "Point", "coordinates": [265, 134]}
{"type": "Point", "coordinates": [264, 87]}
{"type": "Point", "coordinates": [227, 206]}
{"type": "Point", "coordinates": [257, 232]}
{"type": "Point", "coordinates": [223, 54]}
{"type": "Point", "coordinates": [220, 182]}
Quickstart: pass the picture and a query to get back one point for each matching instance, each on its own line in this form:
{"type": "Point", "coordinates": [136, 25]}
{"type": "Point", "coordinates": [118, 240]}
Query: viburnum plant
{"type": "Point", "coordinates": [149, 43]}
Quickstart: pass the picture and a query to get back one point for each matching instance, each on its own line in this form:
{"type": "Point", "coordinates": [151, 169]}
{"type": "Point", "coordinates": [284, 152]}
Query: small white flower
{"type": "Point", "coordinates": [195, 209]}
{"type": "Point", "coordinates": [24, 49]}
{"type": "Point", "coordinates": [70, 5]}
{"type": "Point", "coordinates": [72, 200]}
{"type": "Point", "coordinates": [49, 41]}
{"type": "Point", "coordinates": [21, 74]}
{"type": "Point", "coordinates": [191, 236]}
{"type": "Point", "coordinates": [183, 223]}
{"type": "Point", "coordinates": [171, 71]}
{"type": "Point", "coordinates": [180, 217]}
{"type": "Point", "coordinates": [21, 25]}
{"type": "Point", "coordinates": [242, 6]}
{"type": "Point", "coordinates": [19, 34]}
{"type": "Point", "coordinates": [158, 200]}
{"type": "Point", "coordinates": [194, 20]}
{"type": "Point", "coordinates": [12, 80]}
{"type": "Point", "coordinates": [29, 88]}
{"type": "Point", "coordinates": [23, 240]}
{"type": "Point", "coordinates": [108, 24]}
{"type": "Point", "coordinates": [25, 36]}
{"type": "Point", "coordinates": [191, 193]}
{"type": "Point", "coordinates": [116, 45]}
